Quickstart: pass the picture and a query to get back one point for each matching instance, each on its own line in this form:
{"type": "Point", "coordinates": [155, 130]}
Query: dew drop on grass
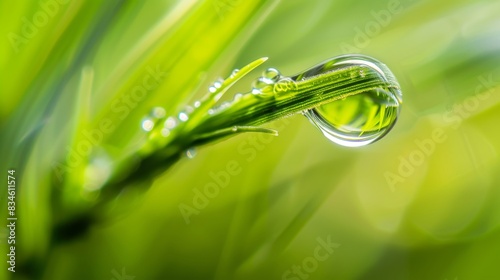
{"type": "Point", "coordinates": [157, 113]}
{"type": "Point", "coordinates": [183, 116]}
{"type": "Point", "coordinates": [147, 124]}
{"type": "Point", "coordinates": [170, 123]}
{"type": "Point", "coordinates": [235, 71]}
{"type": "Point", "coordinates": [191, 153]}
{"type": "Point", "coordinates": [263, 86]}
{"type": "Point", "coordinates": [362, 118]}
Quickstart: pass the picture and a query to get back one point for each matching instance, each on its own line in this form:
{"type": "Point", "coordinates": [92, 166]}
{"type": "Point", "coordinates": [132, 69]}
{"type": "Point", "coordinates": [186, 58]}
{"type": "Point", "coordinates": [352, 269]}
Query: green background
{"type": "Point", "coordinates": [422, 203]}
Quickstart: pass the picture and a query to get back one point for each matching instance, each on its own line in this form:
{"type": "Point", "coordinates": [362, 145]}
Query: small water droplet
{"type": "Point", "coordinates": [211, 111]}
{"type": "Point", "coordinates": [262, 87]}
{"type": "Point", "coordinates": [183, 116]}
{"type": "Point", "coordinates": [271, 74]}
{"type": "Point", "coordinates": [212, 89]}
{"type": "Point", "coordinates": [148, 124]}
{"type": "Point", "coordinates": [158, 112]}
{"type": "Point", "coordinates": [218, 83]}
{"type": "Point", "coordinates": [237, 96]}
{"type": "Point", "coordinates": [197, 104]}
{"type": "Point", "coordinates": [235, 71]}
{"type": "Point", "coordinates": [170, 123]}
{"type": "Point", "coordinates": [359, 119]}
{"type": "Point", "coordinates": [189, 109]}
{"type": "Point", "coordinates": [191, 153]}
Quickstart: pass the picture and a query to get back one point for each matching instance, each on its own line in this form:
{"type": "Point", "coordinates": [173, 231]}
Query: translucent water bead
{"type": "Point", "coordinates": [362, 118]}
{"type": "Point", "coordinates": [149, 122]}
{"type": "Point", "coordinates": [263, 86]}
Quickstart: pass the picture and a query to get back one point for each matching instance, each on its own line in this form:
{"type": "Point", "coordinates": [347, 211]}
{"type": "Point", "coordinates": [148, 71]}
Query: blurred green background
{"type": "Point", "coordinates": [422, 203]}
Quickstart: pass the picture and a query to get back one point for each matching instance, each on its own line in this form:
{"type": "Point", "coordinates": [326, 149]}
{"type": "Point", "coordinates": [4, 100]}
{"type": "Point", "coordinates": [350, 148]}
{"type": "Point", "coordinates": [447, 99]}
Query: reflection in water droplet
{"type": "Point", "coordinates": [359, 119]}
{"type": "Point", "coordinates": [147, 124]}
{"type": "Point", "coordinates": [191, 153]}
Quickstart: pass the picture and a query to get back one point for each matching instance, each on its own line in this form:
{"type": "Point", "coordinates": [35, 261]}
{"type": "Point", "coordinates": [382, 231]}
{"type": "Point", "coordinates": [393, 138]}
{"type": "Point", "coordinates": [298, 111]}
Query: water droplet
{"type": "Point", "coordinates": [271, 74]}
{"type": "Point", "coordinates": [218, 83]}
{"type": "Point", "coordinates": [262, 87]}
{"type": "Point", "coordinates": [211, 111]}
{"type": "Point", "coordinates": [158, 112]}
{"type": "Point", "coordinates": [237, 96]}
{"type": "Point", "coordinates": [148, 124]}
{"type": "Point", "coordinates": [183, 116]}
{"type": "Point", "coordinates": [189, 109]}
{"type": "Point", "coordinates": [170, 123]}
{"type": "Point", "coordinates": [235, 71]}
{"type": "Point", "coordinates": [191, 153]}
{"type": "Point", "coordinates": [359, 119]}
{"type": "Point", "coordinates": [212, 89]}
{"type": "Point", "coordinates": [197, 104]}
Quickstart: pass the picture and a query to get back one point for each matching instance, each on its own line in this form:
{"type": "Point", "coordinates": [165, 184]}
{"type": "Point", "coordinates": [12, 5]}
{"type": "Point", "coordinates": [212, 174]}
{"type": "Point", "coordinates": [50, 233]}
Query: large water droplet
{"type": "Point", "coordinates": [362, 118]}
